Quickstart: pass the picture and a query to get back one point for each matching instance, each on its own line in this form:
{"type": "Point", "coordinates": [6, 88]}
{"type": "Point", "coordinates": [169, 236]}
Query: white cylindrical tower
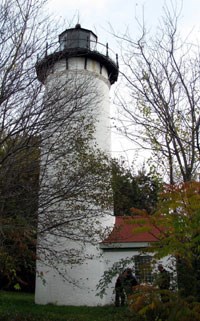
{"type": "Point", "coordinates": [77, 79]}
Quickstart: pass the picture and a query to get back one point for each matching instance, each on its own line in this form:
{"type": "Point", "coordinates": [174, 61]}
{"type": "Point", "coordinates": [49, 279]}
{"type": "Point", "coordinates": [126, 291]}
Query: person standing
{"type": "Point", "coordinates": [163, 283]}
{"type": "Point", "coordinates": [129, 282]}
{"type": "Point", "coordinates": [119, 290]}
{"type": "Point", "coordinates": [124, 287]}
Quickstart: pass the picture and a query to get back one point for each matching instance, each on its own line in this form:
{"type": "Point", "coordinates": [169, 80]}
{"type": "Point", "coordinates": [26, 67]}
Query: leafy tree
{"type": "Point", "coordinates": [146, 187]}
{"type": "Point", "coordinates": [133, 190]}
{"type": "Point", "coordinates": [177, 219]}
{"type": "Point", "coordinates": [19, 178]}
{"type": "Point", "coordinates": [122, 188]}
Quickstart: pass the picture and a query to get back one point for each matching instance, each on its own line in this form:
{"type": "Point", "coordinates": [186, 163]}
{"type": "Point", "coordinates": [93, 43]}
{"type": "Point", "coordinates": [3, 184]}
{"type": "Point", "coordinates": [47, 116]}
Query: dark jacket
{"type": "Point", "coordinates": [164, 280]}
{"type": "Point", "coordinates": [129, 282]}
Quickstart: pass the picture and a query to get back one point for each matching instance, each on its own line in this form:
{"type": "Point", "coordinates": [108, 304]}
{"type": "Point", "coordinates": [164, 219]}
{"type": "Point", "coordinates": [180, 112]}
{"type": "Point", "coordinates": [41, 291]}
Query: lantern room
{"type": "Point", "coordinates": [79, 43]}
{"type": "Point", "coordinates": [77, 38]}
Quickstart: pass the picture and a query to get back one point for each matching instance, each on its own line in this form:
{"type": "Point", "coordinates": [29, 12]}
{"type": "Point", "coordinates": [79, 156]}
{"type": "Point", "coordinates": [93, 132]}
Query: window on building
{"type": "Point", "coordinates": [143, 270]}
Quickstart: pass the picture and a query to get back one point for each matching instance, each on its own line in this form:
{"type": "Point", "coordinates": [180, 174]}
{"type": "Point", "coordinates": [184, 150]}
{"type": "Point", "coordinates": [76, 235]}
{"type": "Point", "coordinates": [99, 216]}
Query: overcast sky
{"type": "Point", "coordinates": [99, 15]}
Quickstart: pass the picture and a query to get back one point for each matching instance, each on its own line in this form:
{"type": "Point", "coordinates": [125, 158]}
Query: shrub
{"type": "Point", "coordinates": [147, 301]}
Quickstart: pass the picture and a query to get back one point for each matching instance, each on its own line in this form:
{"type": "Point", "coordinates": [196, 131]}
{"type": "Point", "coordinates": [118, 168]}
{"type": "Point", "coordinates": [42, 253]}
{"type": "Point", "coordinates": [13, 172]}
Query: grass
{"type": "Point", "coordinates": [21, 307]}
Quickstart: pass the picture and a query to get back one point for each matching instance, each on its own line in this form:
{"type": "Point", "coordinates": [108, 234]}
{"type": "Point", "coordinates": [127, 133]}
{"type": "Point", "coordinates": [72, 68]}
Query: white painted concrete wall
{"type": "Point", "coordinates": [79, 287]}
{"type": "Point", "coordinates": [95, 82]}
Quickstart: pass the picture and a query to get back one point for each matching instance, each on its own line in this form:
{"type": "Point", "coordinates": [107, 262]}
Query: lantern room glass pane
{"type": "Point", "coordinates": [77, 39]}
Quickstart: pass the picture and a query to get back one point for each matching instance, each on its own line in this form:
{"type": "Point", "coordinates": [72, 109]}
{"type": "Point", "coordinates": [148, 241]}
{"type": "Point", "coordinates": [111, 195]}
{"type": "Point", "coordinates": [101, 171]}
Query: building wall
{"type": "Point", "coordinates": [67, 284]}
{"type": "Point", "coordinates": [95, 88]}
{"type": "Point", "coordinates": [118, 254]}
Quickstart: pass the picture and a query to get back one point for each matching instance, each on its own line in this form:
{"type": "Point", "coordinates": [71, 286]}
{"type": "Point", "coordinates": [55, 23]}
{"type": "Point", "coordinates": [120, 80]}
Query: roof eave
{"type": "Point", "coordinates": [123, 245]}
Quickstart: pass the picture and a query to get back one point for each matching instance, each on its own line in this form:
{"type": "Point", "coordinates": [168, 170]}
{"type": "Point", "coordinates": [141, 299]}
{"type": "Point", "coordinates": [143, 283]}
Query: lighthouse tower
{"type": "Point", "coordinates": [77, 78]}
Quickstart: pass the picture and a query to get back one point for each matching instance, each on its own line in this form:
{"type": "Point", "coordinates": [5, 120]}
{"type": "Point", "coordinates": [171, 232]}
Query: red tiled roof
{"type": "Point", "coordinates": [132, 229]}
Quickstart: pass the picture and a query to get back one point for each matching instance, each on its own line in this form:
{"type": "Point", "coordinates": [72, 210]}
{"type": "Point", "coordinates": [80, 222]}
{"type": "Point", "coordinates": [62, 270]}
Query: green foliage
{"type": "Point", "coordinates": [179, 214]}
{"type": "Point", "coordinates": [19, 176]}
{"type": "Point", "coordinates": [122, 188]}
{"type": "Point", "coordinates": [178, 220]}
{"type": "Point", "coordinates": [133, 190]}
{"type": "Point", "coordinates": [145, 190]}
{"type": "Point", "coordinates": [146, 302]}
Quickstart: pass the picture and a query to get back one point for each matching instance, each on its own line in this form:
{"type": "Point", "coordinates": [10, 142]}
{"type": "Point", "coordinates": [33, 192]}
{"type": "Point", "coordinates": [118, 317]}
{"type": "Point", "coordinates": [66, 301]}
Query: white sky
{"type": "Point", "coordinates": [99, 15]}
